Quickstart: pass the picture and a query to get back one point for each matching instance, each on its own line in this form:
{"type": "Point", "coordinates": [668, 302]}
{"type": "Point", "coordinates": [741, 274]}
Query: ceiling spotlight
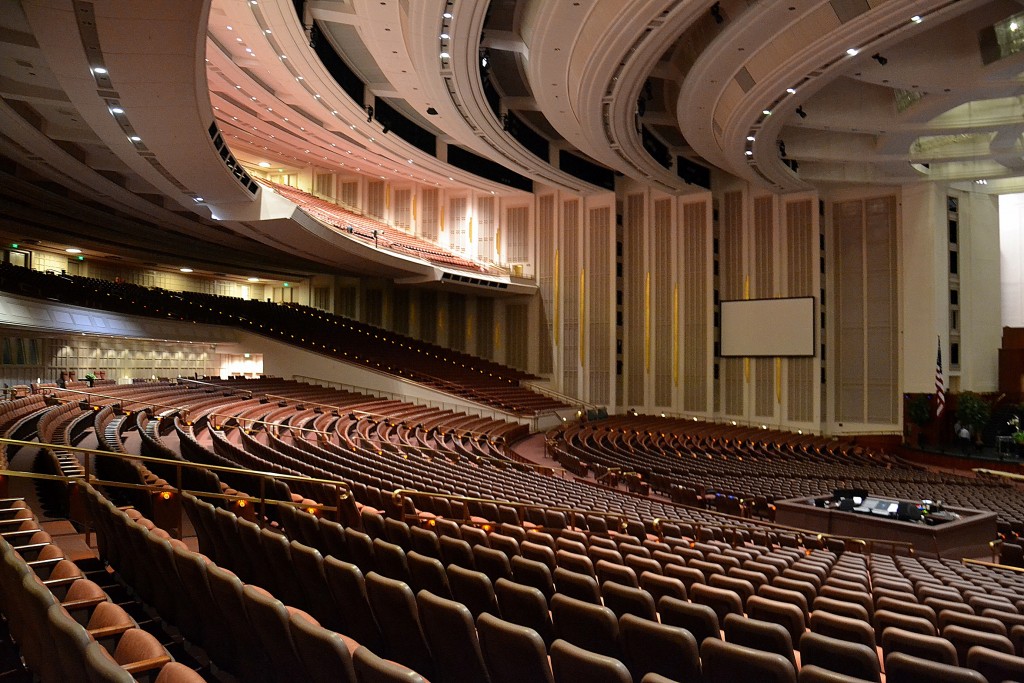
{"type": "Point", "coordinates": [766, 112]}
{"type": "Point", "coordinates": [116, 110]}
{"type": "Point", "coordinates": [99, 70]}
{"type": "Point", "coordinates": [252, 279]}
{"type": "Point", "coordinates": [749, 153]}
{"type": "Point", "coordinates": [791, 91]}
{"type": "Point", "coordinates": [916, 19]}
{"type": "Point", "coordinates": [800, 112]}
{"type": "Point", "coordinates": [852, 51]}
{"type": "Point", "coordinates": [445, 36]}
{"type": "Point", "coordinates": [447, 15]}
{"type": "Point", "coordinates": [135, 138]}
{"type": "Point", "coordinates": [264, 164]}
{"type": "Point", "coordinates": [880, 59]}
{"type": "Point", "coordinates": [73, 250]}
{"type": "Point", "coordinates": [750, 138]}
{"type": "Point", "coordinates": [445, 55]}
{"type": "Point", "coordinates": [185, 270]}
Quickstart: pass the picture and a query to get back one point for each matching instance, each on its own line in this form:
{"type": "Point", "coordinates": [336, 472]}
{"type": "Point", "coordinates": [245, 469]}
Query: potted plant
{"type": "Point", "coordinates": [974, 412]}
{"type": "Point", "coordinates": [1018, 432]}
{"type": "Point", "coordinates": [919, 412]}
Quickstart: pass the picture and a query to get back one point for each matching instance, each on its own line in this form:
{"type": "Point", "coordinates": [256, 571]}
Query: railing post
{"type": "Point", "coordinates": [263, 500]}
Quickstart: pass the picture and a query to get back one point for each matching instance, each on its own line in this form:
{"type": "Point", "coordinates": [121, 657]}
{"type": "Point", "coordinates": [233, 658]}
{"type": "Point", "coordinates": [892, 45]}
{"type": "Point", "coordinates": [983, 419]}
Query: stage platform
{"type": "Point", "coordinates": [966, 537]}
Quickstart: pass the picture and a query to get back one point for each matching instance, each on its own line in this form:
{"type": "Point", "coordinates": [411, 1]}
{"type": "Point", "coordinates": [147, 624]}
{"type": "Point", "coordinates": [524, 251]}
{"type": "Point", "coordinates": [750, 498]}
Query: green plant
{"type": "Point", "coordinates": [919, 410]}
{"type": "Point", "coordinates": [973, 411]}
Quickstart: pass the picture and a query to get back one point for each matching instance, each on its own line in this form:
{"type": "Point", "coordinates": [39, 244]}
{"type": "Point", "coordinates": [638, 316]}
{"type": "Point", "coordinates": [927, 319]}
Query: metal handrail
{"type": "Point", "coordinates": [398, 496]}
{"type": "Point", "coordinates": [993, 565]}
{"type": "Point", "coordinates": [342, 489]}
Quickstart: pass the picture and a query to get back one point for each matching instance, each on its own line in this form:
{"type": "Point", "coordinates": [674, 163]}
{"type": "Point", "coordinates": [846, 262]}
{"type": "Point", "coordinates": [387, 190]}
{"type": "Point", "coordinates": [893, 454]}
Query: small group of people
{"type": "Point", "coordinates": [964, 437]}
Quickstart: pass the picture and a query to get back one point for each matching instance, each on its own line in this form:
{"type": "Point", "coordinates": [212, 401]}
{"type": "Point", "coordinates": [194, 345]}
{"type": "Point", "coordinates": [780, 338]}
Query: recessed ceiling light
{"type": "Point", "coordinates": [185, 270]}
{"type": "Point", "coordinates": [766, 112]}
{"type": "Point", "coordinates": [749, 153]}
{"type": "Point", "coordinates": [135, 138]}
{"type": "Point", "coordinates": [852, 51]}
{"type": "Point", "coordinates": [116, 110]}
{"type": "Point", "coordinates": [99, 70]}
{"type": "Point", "coordinates": [264, 164]}
{"type": "Point", "coordinates": [284, 56]}
{"type": "Point", "coordinates": [445, 36]}
{"type": "Point", "coordinates": [267, 31]}
{"type": "Point", "coordinates": [447, 15]}
{"type": "Point", "coordinates": [791, 91]}
{"type": "Point", "coordinates": [750, 138]}
{"type": "Point", "coordinates": [73, 250]}
{"type": "Point", "coordinates": [916, 19]}
{"type": "Point", "coordinates": [252, 279]}
{"type": "Point", "coordinates": [230, 29]}
{"type": "Point", "coordinates": [445, 55]}
{"type": "Point", "coordinates": [197, 199]}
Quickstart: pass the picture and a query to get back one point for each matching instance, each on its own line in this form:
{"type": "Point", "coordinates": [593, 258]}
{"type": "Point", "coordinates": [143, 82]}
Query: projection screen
{"type": "Point", "coordinates": [767, 327]}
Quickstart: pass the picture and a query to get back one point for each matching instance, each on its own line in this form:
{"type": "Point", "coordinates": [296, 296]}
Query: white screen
{"type": "Point", "coordinates": [768, 327]}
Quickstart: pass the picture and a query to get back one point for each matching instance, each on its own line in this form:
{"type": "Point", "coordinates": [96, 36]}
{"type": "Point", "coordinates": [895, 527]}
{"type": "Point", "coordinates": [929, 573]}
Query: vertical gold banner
{"type": "Point", "coordinates": [497, 335]}
{"type": "Point", "coordinates": [387, 196]}
{"type": "Point", "coordinates": [470, 228]}
{"type": "Point", "coordinates": [778, 380]}
{"type": "Point", "coordinates": [558, 301]}
{"type": "Point", "coordinates": [675, 335]}
{"type": "Point", "coordinates": [583, 313]}
{"type": "Point", "coordinates": [746, 361]}
{"type": "Point", "coordinates": [440, 220]}
{"type": "Point", "coordinates": [414, 206]}
{"type": "Point", "coordinates": [647, 322]}
{"type": "Point", "coordinates": [497, 241]}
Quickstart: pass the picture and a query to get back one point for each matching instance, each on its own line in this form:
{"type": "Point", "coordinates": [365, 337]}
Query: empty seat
{"type": "Point", "coordinates": [348, 587]}
{"type": "Point", "coordinates": [533, 573]}
{"type": "Point", "coordinates": [395, 611]}
{"type": "Point", "coordinates": [651, 647]}
{"type": "Point", "coordinates": [995, 666]}
{"type": "Point", "coordinates": [843, 628]}
{"type": "Point", "coordinates": [592, 627]}
{"type": "Point", "coordinates": [658, 586]}
{"type": "Point", "coordinates": [759, 635]}
{"type": "Point", "coordinates": [270, 619]}
{"type": "Point", "coordinates": [721, 600]}
{"type": "Point", "coordinates": [723, 662]}
{"type": "Point", "coordinates": [579, 586]}
{"type": "Point", "coordinates": [473, 589]}
{"type": "Point", "coordinates": [787, 615]}
{"type": "Point", "coordinates": [964, 639]}
{"type": "Point", "coordinates": [525, 606]}
{"type": "Point", "coordinates": [700, 620]}
{"type": "Point", "coordinates": [512, 653]}
{"type": "Point", "coordinates": [920, 645]}
{"type": "Point", "coordinates": [451, 635]}
{"type": "Point", "coordinates": [616, 573]}
{"type": "Point", "coordinates": [902, 668]}
{"type": "Point", "coordinates": [842, 656]}
{"type": "Point", "coordinates": [370, 668]}
{"type": "Point", "coordinates": [327, 655]}
{"type": "Point", "coordinates": [427, 573]}
{"type": "Point", "coordinates": [626, 600]}
{"type": "Point", "coordinates": [571, 664]}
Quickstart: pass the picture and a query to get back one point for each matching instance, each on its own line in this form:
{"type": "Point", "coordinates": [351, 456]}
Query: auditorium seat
{"type": "Point", "coordinates": [571, 664]}
{"type": "Point", "coordinates": [591, 627]}
{"type": "Point", "coordinates": [903, 668]}
{"type": "Point", "coordinates": [650, 647]}
{"type": "Point", "coordinates": [513, 653]}
{"type": "Point", "coordinates": [451, 634]}
{"type": "Point", "coordinates": [326, 655]}
{"type": "Point", "coordinates": [841, 656]}
{"type": "Point", "coordinates": [723, 662]}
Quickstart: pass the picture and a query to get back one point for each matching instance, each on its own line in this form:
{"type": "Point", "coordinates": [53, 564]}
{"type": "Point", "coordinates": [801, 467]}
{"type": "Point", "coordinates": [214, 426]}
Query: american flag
{"type": "Point", "coordinates": [940, 387]}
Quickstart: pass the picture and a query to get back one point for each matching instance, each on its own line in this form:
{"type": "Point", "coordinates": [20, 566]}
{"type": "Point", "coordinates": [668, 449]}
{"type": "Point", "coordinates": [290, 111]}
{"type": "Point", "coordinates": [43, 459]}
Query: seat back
{"type": "Point", "coordinates": [512, 653]}
{"type": "Point", "coordinates": [651, 647]}
{"type": "Point", "coordinates": [394, 608]}
{"type": "Point", "coordinates": [842, 656]}
{"type": "Point", "coordinates": [723, 662]}
{"type": "Point", "coordinates": [324, 653]}
{"type": "Point", "coordinates": [451, 635]}
{"type": "Point", "coordinates": [571, 664]}
{"type": "Point", "coordinates": [525, 606]}
{"type": "Point", "coordinates": [592, 627]}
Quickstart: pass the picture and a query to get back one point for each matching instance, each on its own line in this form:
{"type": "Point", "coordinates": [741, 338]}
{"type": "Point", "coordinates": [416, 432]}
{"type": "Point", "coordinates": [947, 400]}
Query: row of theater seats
{"type": "Point", "coordinates": [584, 589]}
{"type": "Point", "coordinates": [683, 457]}
{"type": "Point", "coordinates": [377, 232]}
{"type": "Point", "coordinates": [447, 370]}
{"type": "Point", "coordinates": [65, 624]}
